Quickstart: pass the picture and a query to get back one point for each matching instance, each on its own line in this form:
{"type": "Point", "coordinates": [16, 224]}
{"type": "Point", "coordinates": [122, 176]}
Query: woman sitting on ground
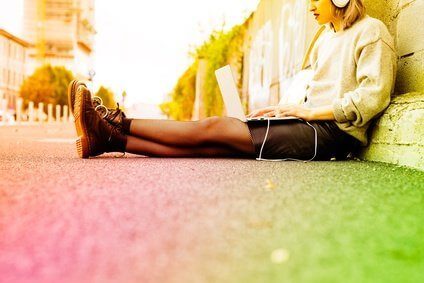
{"type": "Point", "coordinates": [354, 67]}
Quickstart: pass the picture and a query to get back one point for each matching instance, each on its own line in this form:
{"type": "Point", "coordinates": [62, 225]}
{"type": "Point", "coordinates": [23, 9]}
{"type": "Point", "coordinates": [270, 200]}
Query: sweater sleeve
{"type": "Point", "coordinates": [375, 77]}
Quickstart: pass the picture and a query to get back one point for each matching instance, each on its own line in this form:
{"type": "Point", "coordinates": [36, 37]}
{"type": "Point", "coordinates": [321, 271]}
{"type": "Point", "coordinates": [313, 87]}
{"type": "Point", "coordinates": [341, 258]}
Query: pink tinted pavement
{"type": "Point", "coordinates": [130, 219]}
{"type": "Point", "coordinates": [137, 219]}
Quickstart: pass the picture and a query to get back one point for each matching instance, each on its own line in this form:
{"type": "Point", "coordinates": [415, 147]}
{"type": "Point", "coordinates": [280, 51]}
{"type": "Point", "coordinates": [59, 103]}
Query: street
{"type": "Point", "coordinates": [139, 219]}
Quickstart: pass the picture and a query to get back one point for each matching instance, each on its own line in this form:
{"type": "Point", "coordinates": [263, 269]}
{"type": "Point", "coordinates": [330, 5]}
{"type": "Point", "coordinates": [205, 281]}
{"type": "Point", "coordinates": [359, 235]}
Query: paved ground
{"type": "Point", "coordinates": [137, 219]}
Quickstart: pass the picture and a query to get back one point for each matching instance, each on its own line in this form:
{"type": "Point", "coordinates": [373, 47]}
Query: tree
{"type": "Point", "coordinates": [220, 49]}
{"type": "Point", "coordinates": [180, 106]}
{"type": "Point", "coordinates": [124, 96]}
{"type": "Point", "coordinates": [107, 96]}
{"type": "Point", "coordinates": [48, 85]}
{"type": "Point", "coordinates": [124, 99]}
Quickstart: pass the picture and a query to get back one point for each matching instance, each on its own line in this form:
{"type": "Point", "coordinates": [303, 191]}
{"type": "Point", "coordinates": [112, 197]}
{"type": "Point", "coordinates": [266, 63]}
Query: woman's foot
{"type": "Point", "coordinates": [113, 116]}
{"type": "Point", "coordinates": [72, 89]}
{"type": "Point", "coordinates": [95, 136]}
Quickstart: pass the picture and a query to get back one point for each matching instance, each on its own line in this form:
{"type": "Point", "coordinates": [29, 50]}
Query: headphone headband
{"type": "Point", "coordinates": [340, 3]}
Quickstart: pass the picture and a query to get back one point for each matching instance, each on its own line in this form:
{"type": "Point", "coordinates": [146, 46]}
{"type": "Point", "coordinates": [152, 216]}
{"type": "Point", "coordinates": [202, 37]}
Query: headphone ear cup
{"type": "Point", "coordinates": [340, 3]}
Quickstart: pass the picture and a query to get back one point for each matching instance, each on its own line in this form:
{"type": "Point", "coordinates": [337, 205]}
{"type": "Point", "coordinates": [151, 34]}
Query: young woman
{"type": "Point", "coordinates": [354, 66]}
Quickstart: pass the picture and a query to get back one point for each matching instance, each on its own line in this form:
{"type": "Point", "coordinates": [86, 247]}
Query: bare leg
{"type": "Point", "coordinates": [148, 148]}
{"type": "Point", "coordinates": [225, 131]}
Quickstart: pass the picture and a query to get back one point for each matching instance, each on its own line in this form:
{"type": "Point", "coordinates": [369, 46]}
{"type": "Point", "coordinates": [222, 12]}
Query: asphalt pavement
{"type": "Point", "coordinates": [140, 219]}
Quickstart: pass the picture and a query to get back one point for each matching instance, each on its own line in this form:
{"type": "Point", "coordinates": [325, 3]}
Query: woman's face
{"type": "Point", "coordinates": [322, 10]}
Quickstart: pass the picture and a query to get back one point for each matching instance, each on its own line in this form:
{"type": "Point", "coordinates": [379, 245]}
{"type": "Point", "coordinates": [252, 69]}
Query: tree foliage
{"type": "Point", "coordinates": [107, 96]}
{"type": "Point", "coordinates": [47, 84]}
{"type": "Point", "coordinates": [223, 48]}
{"type": "Point", "coordinates": [220, 49]}
{"type": "Point", "coordinates": [180, 106]}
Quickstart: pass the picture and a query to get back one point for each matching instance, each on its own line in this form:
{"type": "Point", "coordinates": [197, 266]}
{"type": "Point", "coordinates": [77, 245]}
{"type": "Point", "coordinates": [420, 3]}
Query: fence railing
{"type": "Point", "coordinates": [33, 115]}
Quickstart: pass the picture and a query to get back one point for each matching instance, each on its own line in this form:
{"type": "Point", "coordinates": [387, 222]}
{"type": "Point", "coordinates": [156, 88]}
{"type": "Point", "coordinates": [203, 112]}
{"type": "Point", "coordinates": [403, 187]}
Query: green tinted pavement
{"type": "Point", "coordinates": [136, 219]}
{"type": "Point", "coordinates": [335, 222]}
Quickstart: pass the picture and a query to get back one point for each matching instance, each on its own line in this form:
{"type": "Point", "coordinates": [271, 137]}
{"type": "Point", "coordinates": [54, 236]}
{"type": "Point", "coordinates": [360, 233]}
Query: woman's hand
{"type": "Point", "coordinates": [280, 111]}
{"type": "Point", "coordinates": [298, 111]}
{"type": "Point", "coordinates": [262, 112]}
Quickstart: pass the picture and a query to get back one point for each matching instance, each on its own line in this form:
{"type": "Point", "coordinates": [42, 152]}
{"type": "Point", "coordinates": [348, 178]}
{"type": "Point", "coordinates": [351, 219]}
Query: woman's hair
{"type": "Point", "coordinates": [354, 11]}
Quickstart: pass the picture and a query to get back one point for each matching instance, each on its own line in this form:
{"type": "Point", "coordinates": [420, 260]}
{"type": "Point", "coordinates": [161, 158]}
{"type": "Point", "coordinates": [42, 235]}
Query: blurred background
{"type": "Point", "coordinates": [132, 52]}
{"type": "Point", "coordinates": [158, 58]}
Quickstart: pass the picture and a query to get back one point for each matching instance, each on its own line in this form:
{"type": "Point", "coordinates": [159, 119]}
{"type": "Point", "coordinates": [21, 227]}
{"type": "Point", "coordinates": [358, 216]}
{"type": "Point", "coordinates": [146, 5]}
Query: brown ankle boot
{"type": "Point", "coordinates": [95, 135]}
{"type": "Point", "coordinates": [72, 89]}
{"type": "Point", "coordinates": [115, 117]}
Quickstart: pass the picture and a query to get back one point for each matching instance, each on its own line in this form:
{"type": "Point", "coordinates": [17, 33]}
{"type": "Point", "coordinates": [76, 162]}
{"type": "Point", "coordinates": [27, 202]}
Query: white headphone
{"type": "Point", "coordinates": [340, 3]}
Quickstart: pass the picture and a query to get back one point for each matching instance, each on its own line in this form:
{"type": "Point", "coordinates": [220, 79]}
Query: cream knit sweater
{"type": "Point", "coordinates": [354, 71]}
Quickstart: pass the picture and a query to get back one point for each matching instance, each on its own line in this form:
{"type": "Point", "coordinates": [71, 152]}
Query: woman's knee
{"type": "Point", "coordinates": [210, 127]}
{"type": "Point", "coordinates": [211, 122]}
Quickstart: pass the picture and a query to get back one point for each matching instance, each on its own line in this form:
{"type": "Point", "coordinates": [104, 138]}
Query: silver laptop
{"type": "Point", "coordinates": [231, 97]}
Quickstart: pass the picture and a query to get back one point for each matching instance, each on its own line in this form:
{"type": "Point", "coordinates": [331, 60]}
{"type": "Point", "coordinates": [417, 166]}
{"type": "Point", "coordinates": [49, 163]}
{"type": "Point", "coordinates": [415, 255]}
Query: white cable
{"type": "Point", "coordinates": [287, 159]}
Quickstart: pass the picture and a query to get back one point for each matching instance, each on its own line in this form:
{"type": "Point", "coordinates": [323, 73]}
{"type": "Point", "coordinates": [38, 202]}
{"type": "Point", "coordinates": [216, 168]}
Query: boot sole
{"type": "Point", "coordinates": [72, 89]}
{"type": "Point", "coordinates": [83, 142]}
{"type": "Point", "coordinates": [82, 148]}
{"type": "Point", "coordinates": [71, 95]}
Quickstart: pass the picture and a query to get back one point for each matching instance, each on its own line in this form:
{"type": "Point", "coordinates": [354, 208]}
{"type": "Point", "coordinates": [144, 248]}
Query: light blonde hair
{"type": "Point", "coordinates": [353, 12]}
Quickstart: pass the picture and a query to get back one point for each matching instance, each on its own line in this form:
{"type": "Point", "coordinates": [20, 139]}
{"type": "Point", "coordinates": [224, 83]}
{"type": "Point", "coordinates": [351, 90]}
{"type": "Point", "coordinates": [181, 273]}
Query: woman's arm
{"type": "Point", "coordinates": [376, 70]}
{"type": "Point", "coordinates": [324, 113]}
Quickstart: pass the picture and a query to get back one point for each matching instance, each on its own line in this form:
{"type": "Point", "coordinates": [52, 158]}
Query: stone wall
{"type": "Point", "coordinates": [279, 33]}
{"type": "Point", "coordinates": [398, 136]}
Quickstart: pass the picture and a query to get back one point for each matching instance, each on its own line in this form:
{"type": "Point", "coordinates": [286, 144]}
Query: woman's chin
{"type": "Point", "coordinates": [321, 22]}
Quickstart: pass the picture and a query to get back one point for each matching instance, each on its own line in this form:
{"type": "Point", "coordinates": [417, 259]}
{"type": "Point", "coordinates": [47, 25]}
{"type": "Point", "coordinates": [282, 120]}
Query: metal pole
{"type": "Point", "coordinates": [31, 117]}
{"type": "Point", "coordinates": [40, 112]}
{"type": "Point", "coordinates": [65, 114]}
{"type": "Point", "coordinates": [58, 114]}
{"type": "Point", "coordinates": [3, 109]}
{"type": "Point", "coordinates": [19, 103]}
{"type": "Point", "coordinates": [49, 113]}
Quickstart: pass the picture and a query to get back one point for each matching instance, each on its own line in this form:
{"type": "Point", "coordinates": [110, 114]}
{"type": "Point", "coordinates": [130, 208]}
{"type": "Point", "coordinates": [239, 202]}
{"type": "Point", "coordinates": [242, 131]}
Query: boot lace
{"type": "Point", "coordinates": [113, 113]}
{"type": "Point", "coordinates": [115, 130]}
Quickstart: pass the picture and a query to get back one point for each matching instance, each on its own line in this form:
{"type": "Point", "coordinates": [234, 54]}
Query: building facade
{"type": "Point", "coordinates": [13, 58]}
{"type": "Point", "coordinates": [62, 33]}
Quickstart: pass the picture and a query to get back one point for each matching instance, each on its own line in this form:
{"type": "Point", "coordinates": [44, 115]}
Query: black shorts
{"type": "Point", "coordinates": [296, 139]}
